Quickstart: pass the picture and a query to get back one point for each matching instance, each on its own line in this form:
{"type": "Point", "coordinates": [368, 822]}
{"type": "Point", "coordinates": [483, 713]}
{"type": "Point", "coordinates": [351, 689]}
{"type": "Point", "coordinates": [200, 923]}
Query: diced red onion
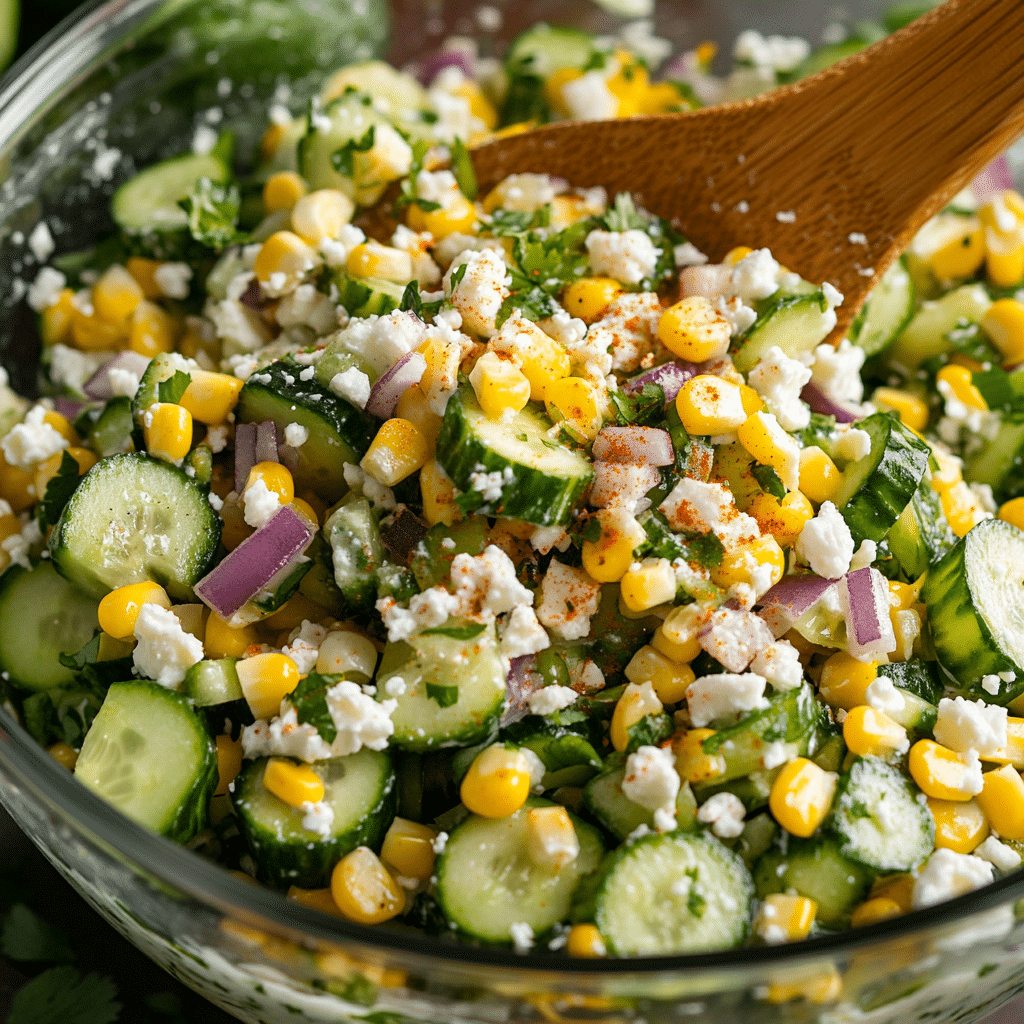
{"type": "Point", "coordinates": [266, 442]}
{"type": "Point", "coordinates": [67, 407]}
{"type": "Point", "coordinates": [389, 388]}
{"type": "Point", "coordinates": [790, 598]}
{"type": "Point", "coordinates": [99, 385]}
{"type": "Point", "coordinates": [245, 571]}
{"type": "Point", "coordinates": [670, 377]}
{"type": "Point", "coordinates": [709, 280]}
{"type": "Point", "coordinates": [402, 534]}
{"type": "Point", "coordinates": [995, 178]}
{"type": "Point", "coordinates": [245, 453]}
{"type": "Point", "coordinates": [435, 64]}
{"type": "Point", "coordinates": [618, 485]}
{"type": "Point", "coordinates": [640, 446]}
{"type": "Point", "coordinates": [518, 687]}
{"type": "Point", "coordinates": [824, 405]}
{"type": "Point", "coordinates": [869, 632]}
{"type": "Point", "coordinates": [254, 297]}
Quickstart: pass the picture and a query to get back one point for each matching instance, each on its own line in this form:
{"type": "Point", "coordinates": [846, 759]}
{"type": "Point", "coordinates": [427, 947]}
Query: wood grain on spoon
{"type": "Point", "coordinates": [870, 148]}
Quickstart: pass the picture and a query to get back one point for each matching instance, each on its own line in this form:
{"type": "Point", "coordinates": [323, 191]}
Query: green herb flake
{"type": "Point", "coordinates": [443, 696]}
{"type": "Point", "coordinates": [769, 482]}
{"type": "Point", "coordinates": [310, 701]}
{"type": "Point", "coordinates": [469, 631]}
{"type": "Point", "coordinates": [462, 168]}
{"type": "Point", "coordinates": [63, 995]}
{"type": "Point", "coordinates": [212, 210]}
{"type": "Point", "coordinates": [343, 158]}
{"type": "Point", "coordinates": [58, 491]}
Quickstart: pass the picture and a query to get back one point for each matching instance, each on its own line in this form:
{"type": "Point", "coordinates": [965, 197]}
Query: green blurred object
{"type": "Point", "coordinates": [8, 30]}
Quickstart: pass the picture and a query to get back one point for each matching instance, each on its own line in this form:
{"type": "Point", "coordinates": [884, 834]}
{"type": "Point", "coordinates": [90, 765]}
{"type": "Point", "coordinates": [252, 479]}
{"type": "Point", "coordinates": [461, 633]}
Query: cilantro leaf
{"type": "Point", "coordinates": [408, 187]}
{"type": "Point", "coordinates": [444, 696]}
{"type": "Point", "coordinates": [343, 158]}
{"type": "Point", "coordinates": [58, 491]}
{"type": "Point", "coordinates": [662, 542]}
{"type": "Point", "coordinates": [469, 502]}
{"type": "Point", "coordinates": [411, 300]}
{"type": "Point", "coordinates": [310, 701]}
{"type": "Point", "coordinates": [769, 481]}
{"type": "Point", "coordinates": [213, 210]}
{"type": "Point", "coordinates": [457, 275]}
{"type": "Point", "coordinates": [623, 215]}
{"type": "Point", "coordinates": [507, 223]}
{"type": "Point", "coordinates": [595, 62]}
{"type": "Point", "coordinates": [63, 995]}
{"type": "Point", "coordinates": [1001, 393]}
{"type": "Point", "coordinates": [645, 408]}
{"type": "Point", "coordinates": [649, 732]}
{"type": "Point", "coordinates": [469, 631]}
{"type": "Point", "coordinates": [173, 388]}
{"type": "Point", "coordinates": [705, 549]}
{"type": "Point", "coordinates": [592, 531]}
{"type": "Point", "coordinates": [27, 937]}
{"type": "Point", "coordinates": [462, 168]}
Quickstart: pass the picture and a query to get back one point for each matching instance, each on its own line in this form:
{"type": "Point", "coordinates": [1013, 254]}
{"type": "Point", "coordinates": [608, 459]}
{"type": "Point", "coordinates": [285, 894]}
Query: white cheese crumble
{"type": "Point", "coordinates": [353, 385]}
{"type": "Point", "coordinates": [947, 874]}
{"type": "Point", "coordinates": [628, 256]}
{"type": "Point", "coordinates": [734, 637]}
{"type": "Point", "coordinates": [317, 818]}
{"type": "Point", "coordinates": [549, 699]}
{"type": "Point", "coordinates": [825, 543]}
{"type": "Point", "coordinates": [779, 53]}
{"type": "Point", "coordinates": [836, 372]}
{"type": "Point", "coordinates": [651, 780]}
{"type": "Point", "coordinates": [479, 294]}
{"type": "Point", "coordinates": [755, 277]}
{"type": "Point", "coordinates": [779, 381]}
{"type": "Point", "coordinates": [164, 650]}
{"type": "Point", "coordinates": [522, 936]}
{"type": "Point", "coordinates": [588, 98]}
{"type": "Point", "coordinates": [999, 855]}
{"type": "Point", "coordinates": [260, 503]}
{"type": "Point", "coordinates": [568, 600]}
{"type": "Point", "coordinates": [779, 663]}
{"type": "Point", "coordinates": [303, 645]}
{"type": "Point", "coordinates": [296, 435]}
{"type": "Point", "coordinates": [40, 241]}
{"type": "Point", "coordinates": [46, 288]}
{"type": "Point", "coordinates": [852, 444]}
{"type": "Point", "coordinates": [724, 812]}
{"type": "Point", "coordinates": [522, 634]}
{"type": "Point", "coordinates": [720, 696]}
{"type": "Point", "coordinates": [882, 695]}
{"type": "Point", "coordinates": [173, 279]}
{"type": "Point", "coordinates": [32, 440]}
{"type": "Point", "coordinates": [964, 725]}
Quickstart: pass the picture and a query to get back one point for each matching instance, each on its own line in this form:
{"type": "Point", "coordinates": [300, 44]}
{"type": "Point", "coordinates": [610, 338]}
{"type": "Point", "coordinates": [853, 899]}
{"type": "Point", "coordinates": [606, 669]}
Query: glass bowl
{"type": "Point", "coordinates": [129, 82]}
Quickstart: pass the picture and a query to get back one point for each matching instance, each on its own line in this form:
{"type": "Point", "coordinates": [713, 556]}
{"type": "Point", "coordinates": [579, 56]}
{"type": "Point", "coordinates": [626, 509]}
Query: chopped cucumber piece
{"type": "Point", "coordinates": [1000, 462]}
{"type": "Point", "coordinates": [357, 553]}
{"type": "Point", "coordinates": [212, 682]}
{"type": "Point", "coordinates": [927, 333]}
{"type": "Point", "coordinates": [922, 534]}
{"type": "Point", "coordinates": [544, 49]}
{"type": "Point", "coordinates": [796, 323]}
{"type": "Point", "coordinates": [614, 811]}
{"type": "Point", "coordinates": [149, 201]}
{"type": "Point", "coordinates": [886, 312]}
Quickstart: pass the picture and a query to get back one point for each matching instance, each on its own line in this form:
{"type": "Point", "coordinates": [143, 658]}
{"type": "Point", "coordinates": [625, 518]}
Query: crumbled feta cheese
{"type": "Point", "coordinates": [522, 634]}
{"type": "Point", "coordinates": [46, 288]}
{"type": "Point", "coordinates": [164, 650]}
{"type": "Point", "coordinates": [522, 936]}
{"type": "Point", "coordinates": [588, 98]}
{"type": "Point", "coordinates": [990, 684]}
{"type": "Point", "coordinates": [353, 385]}
{"type": "Point", "coordinates": [525, 192]}
{"type": "Point", "coordinates": [284, 736]}
{"type": "Point", "coordinates": [40, 241]}
{"type": "Point", "coordinates": [836, 372]}
{"type": "Point", "coordinates": [307, 307]}
{"type": "Point", "coordinates": [123, 382]}
{"type": "Point", "coordinates": [439, 843]}
{"type": "Point", "coordinates": [438, 187]}
{"type": "Point", "coordinates": [71, 367]}
{"type": "Point", "coordinates": [693, 506]}
{"type": "Point", "coordinates": [260, 503]}
{"type": "Point", "coordinates": [336, 251]}
{"type": "Point", "coordinates": [736, 311]}
{"type": "Point", "coordinates": [864, 555]}
{"type": "Point", "coordinates": [779, 381]}
{"type": "Point", "coordinates": [721, 696]}
{"type": "Point", "coordinates": [568, 600]}
{"type": "Point", "coordinates": [947, 874]}
{"type": "Point", "coordinates": [628, 256]}
{"type": "Point", "coordinates": [490, 484]}
{"type": "Point", "coordinates": [304, 644]}
{"type": "Point", "coordinates": [545, 538]}
{"type": "Point", "coordinates": [724, 812]}
{"type": "Point", "coordinates": [621, 485]}
{"type": "Point", "coordinates": [32, 440]}
{"type": "Point", "coordinates": [549, 699]}
{"type": "Point", "coordinates": [825, 543]}
{"type": "Point", "coordinates": [964, 725]}
{"type": "Point", "coordinates": [488, 583]}
{"type": "Point", "coordinates": [734, 637]}
{"type": "Point", "coordinates": [296, 435]}
{"type": "Point", "coordinates": [364, 484]}
{"type": "Point", "coordinates": [882, 695]}
{"type": "Point", "coordinates": [204, 139]}
{"type": "Point", "coordinates": [317, 817]}
{"type": "Point", "coordinates": [755, 277]}
{"type": "Point", "coordinates": [173, 279]}
{"type": "Point", "coordinates": [999, 855]}
{"type": "Point", "coordinates": [779, 53]}
{"type": "Point", "coordinates": [19, 545]}
{"type": "Point", "coordinates": [480, 293]}
{"type": "Point", "coordinates": [651, 780]}
{"type": "Point", "coordinates": [360, 720]}
{"type": "Point", "coordinates": [779, 663]}
{"type": "Point", "coordinates": [686, 254]}
{"type": "Point", "coordinates": [852, 444]}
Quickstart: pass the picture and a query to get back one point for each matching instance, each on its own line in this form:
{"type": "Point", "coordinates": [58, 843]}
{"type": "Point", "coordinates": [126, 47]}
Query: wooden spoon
{"type": "Point", "coordinates": [835, 173]}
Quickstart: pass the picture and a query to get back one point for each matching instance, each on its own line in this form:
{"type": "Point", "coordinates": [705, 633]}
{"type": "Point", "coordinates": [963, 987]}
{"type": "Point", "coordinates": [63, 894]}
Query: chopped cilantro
{"type": "Point", "coordinates": [58, 491]}
{"type": "Point", "coordinates": [457, 275]}
{"type": "Point", "coordinates": [462, 168]}
{"type": "Point", "coordinates": [343, 158]}
{"type": "Point", "coordinates": [645, 408]}
{"type": "Point", "coordinates": [650, 731]}
{"type": "Point", "coordinates": [310, 701]}
{"type": "Point", "coordinates": [508, 223]}
{"type": "Point", "coordinates": [592, 531]}
{"type": "Point", "coordinates": [411, 300]}
{"type": "Point", "coordinates": [595, 62]}
{"type": "Point", "coordinates": [26, 937]}
{"type": "Point", "coordinates": [622, 215]}
{"type": "Point", "coordinates": [173, 388]}
{"type": "Point", "coordinates": [63, 995]}
{"type": "Point", "coordinates": [469, 631]}
{"type": "Point", "coordinates": [769, 481]}
{"type": "Point", "coordinates": [408, 194]}
{"type": "Point", "coordinates": [705, 549]}
{"type": "Point", "coordinates": [443, 696]}
{"type": "Point", "coordinates": [212, 210]}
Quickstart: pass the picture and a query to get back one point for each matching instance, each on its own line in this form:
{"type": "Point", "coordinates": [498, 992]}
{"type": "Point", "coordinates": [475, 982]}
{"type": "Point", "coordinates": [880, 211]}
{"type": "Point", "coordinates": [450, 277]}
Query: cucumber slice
{"type": "Point", "coordinates": [671, 893]}
{"type": "Point", "coordinates": [409, 672]}
{"type": "Point", "coordinates": [111, 431]}
{"type": "Point", "coordinates": [1000, 462]}
{"type": "Point", "coordinates": [150, 755]}
{"type": "Point", "coordinates": [380, 80]}
{"type": "Point", "coordinates": [42, 616]}
{"type": "Point", "coordinates": [357, 554]}
{"type": "Point", "coordinates": [149, 201]}
{"type": "Point", "coordinates": [877, 820]}
{"type": "Point", "coordinates": [359, 788]}
{"type": "Point", "coordinates": [344, 351]}
{"type": "Point", "coordinates": [544, 49]}
{"type": "Point", "coordinates": [212, 682]}
{"type": "Point", "coordinates": [338, 431]}
{"type": "Point", "coordinates": [344, 119]}
{"type": "Point", "coordinates": [815, 868]}
{"type": "Point", "coordinates": [926, 334]}
{"type": "Point", "coordinates": [975, 601]}
{"type": "Point", "coordinates": [161, 369]}
{"type": "Point", "coordinates": [920, 678]}
{"type": "Point", "coordinates": [886, 312]}
{"type": "Point", "coordinates": [543, 480]}
{"type": "Point", "coordinates": [796, 323]}
{"type": "Point", "coordinates": [364, 297]}
{"type": "Point", "coordinates": [615, 812]}
{"type": "Point", "coordinates": [133, 518]}
{"type": "Point", "coordinates": [487, 883]}
{"type": "Point", "coordinates": [876, 489]}
{"type": "Point", "coordinates": [922, 534]}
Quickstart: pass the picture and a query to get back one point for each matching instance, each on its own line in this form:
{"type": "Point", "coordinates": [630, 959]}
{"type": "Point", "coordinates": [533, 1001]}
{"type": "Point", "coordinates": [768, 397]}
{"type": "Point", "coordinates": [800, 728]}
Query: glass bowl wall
{"type": "Point", "coordinates": [129, 82]}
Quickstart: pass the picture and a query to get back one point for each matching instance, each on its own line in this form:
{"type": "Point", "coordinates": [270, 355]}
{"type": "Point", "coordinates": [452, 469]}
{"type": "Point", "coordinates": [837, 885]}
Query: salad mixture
{"type": "Point", "coordinates": [495, 563]}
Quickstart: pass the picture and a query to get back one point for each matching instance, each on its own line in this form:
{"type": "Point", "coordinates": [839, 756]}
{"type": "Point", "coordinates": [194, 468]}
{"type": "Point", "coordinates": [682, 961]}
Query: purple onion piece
{"type": "Point", "coordinates": [790, 598]}
{"type": "Point", "coordinates": [403, 534]}
{"type": "Point", "coordinates": [821, 404]}
{"type": "Point", "coordinates": [245, 571]}
{"type": "Point", "coordinates": [670, 377]}
{"type": "Point", "coordinates": [995, 178]}
{"type": "Point", "coordinates": [99, 385]}
{"type": "Point", "coordinates": [869, 632]}
{"type": "Point", "coordinates": [266, 442]}
{"type": "Point", "coordinates": [517, 689]}
{"type": "Point", "coordinates": [435, 64]}
{"type": "Point", "coordinates": [384, 395]}
{"type": "Point", "coordinates": [637, 446]}
{"type": "Point", "coordinates": [69, 408]}
{"type": "Point", "coordinates": [245, 453]}
{"type": "Point", "coordinates": [254, 296]}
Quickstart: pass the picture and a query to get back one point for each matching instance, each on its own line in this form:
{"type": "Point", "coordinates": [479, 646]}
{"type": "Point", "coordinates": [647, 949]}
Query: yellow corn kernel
{"type": "Point", "coordinates": [283, 190]}
{"type": "Point", "coordinates": [904, 595]}
{"type": "Point", "coordinates": [551, 840]}
{"type": "Point", "coordinates": [17, 486]}
{"type": "Point", "coordinates": [152, 330]}
{"type": "Point", "coordinates": [479, 105]}
{"type": "Point", "coordinates": [763, 437]}
{"type": "Point", "coordinates": [1004, 259]}
{"type": "Point", "coordinates": [1005, 205]}
{"type": "Point", "coordinates": [823, 985]}
{"type": "Point", "coordinates": [681, 653]}
{"type": "Point", "coordinates": [275, 477]}
{"type": "Point", "coordinates": [266, 679]}
{"type": "Point", "coordinates": [62, 425]}
{"type": "Point", "coordinates": [785, 918]}
{"type": "Point", "coordinates": [283, 261]}
{"type": "Point", "coordinates": [398, 450]}
{"type": "Point", "coordinates": [56, 319]}
{"type": "Point", "coordinates": [584, 940]}
{"type": "Point", "coordinates": [115, 295]}
{"type": "Point", "coordinates": [912, 411]}
{"type": "Point", "coordinates": [898, 888]}
{"type": "Point", "coordinates": [743, 565]}
{"type": "Point", "coordinates": [48, 468]}
{"type": "Point", "coordinates": [958, 382]}
{"type": "Point", "coordinates": [608, 558]}
{"type": "Point", "coordinates": [819, 476]}
{"type": "Point", "coordinates": [293, 783]}
{"type": "Point", "coordinates": [962, 509]}
{"type": "Point", "coordinates": [845, 680]}
{"type": "Point", "coordinates": [119, 610]}
{"type": "Point", "coordinates": [415, 407]}
{"type": "Point", "coordinates": [682, 625]}
{"type": "Point", "coordinates": [960, 826]}
{"type": "Point", "coordinates": [589, 297]}
{"type": "Point", "coordinates": [499, 385]}
{"type": "Point", "coordinates": [783, 520]}
{"type": "Point", "coordinates": [460, 216]}
{"type": "Point", "coordinates": [209, 397]}
{"type": "Point", "coordinates": [409, 849]}
{"type": "Point", "coordinates": [638, 700]}
{"type": "Point", "coordinates": [801, 796]}
{"type": "Point", "coordinates": [752, 401]}
{"type": "Point", "coordinates": [10, 524]}
{"type": "Point", "coordinates": [1002, 800]}
{"type": "Point", "coordinates": [144, 272]}
{"type": "Point", "coordinates": [438, 494]}
{"type": "Point", "coordinates": [223, 641]}
{"type": "Point", "coordinates": [692, 764]}
{"type": "Point", "coordinates": [1004, 324]}
{"type": "Point", "coordinates": [542, 359]}
{"type": "Point", "coordinates": [938, 771]}
{"type": "Point", "coordinates": [962, 255]}
{"type": "Point", "coordinates": [443, 357]}
{"type": "Point", "coordinates": [371, 259]}
{"type": "Point", "coordinates": [553, 88]}
{"type": "Point", "coordinates": [733, 256]}
{"type": "Point", "coordinates": [91, 334]}
{"type": "Point", "coordinates": [167, 429]}
{"type": "Point", "coordinates": [321, 215]}
{"type": "Point", "coordinates": [364, 890]}
{"type": "Point", "coordinates": [497, 783]}
{"type": "Point", "coordinates": [867, 731]}
{"type": "Point", "coordinates": [229, 762]}
{"type": "Point", "coordinates": [708, 405]}
{"type": "Point", "coordinates": [879, 908]}
{"type": "Point", "coordinates": [577, 401]}
{"type": "Point", "coordinates": [1012, 512]}
{"type": "Point", "coordinates": [694, 330]}
{"type": "Point", "coordinates": [948, 474]}
{"type": "Point", "coordinates": [651, 583]}
{"type": "Point", "coordinates": [628, 84]}
{"type": "Point", "coordinates": [668, 678]}
{"type": "Point", "coordinates": [315, 899]}
{"type": "Point", "coordinates": [64, 754]}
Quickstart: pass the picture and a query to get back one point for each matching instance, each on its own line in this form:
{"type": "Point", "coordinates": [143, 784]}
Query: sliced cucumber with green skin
{"type": "Point", "coordinates": [544, 49]}
{"type": "Point", "coordinates": [751, 790]}
{"type": "Point", "coordinates": [671, 893]}
{"type": "Point", "coordinates": [920, 678]}
{"type": "Point", "coordinates": [796, 323]}
{"type": "Point", "coordinates": [149, 201]}
{"type": "Point", "coordinates": [614, 811]}
{"type": "Point", "coordinates": [487, 883]}
{"type": "Point", "coordinates": [111, 431]}
{"type": "Point", "coordinates": [357, 553]}
{"type": "Point", "coordinates": [343, 352]}
{"type": "Point", "coordinates": [160, 370]}
{"type": "Point", "coordinates": [815, 868]}
{"type": "Point", "coordinates": [876, 489]}
{"type": "Point", "coordinates": [426, 673]}
{"type": "Point", "coordinates": [150, 755]}
{"type": "Point", "coordinates": [42, 616]}
{"type": "Point", "coordinates": [1000, 462]}
{"type": "Point", "coordinates": [975, 601]}
{"type": "Point", "coordinates": [360, 790]}
{"type": "Point", "coordinates": [886, 311]}
{"type": "Point", "coordinates": [877, 820]}
{"type": "Point", "coordinates": [131, 519]}
{"type": "Point", "coordinates": [338, 431]}
{"type": "Point", "coordinates": [926, 334]}
{"type": "Point", "coordinates": [921, 535]}
{"type": "Point", "coordinates": [543, 481]}
{"type": "Point", "coordinates": [342, 120]}
{"type": "Point", "coordinates": [212, 682]}
{"type": "Point", "coordinates": [367, 296]}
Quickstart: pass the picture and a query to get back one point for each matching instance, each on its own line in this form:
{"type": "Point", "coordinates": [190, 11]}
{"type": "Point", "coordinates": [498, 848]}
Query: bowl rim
{"type": "Point", "coordinates": [206, 882]}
